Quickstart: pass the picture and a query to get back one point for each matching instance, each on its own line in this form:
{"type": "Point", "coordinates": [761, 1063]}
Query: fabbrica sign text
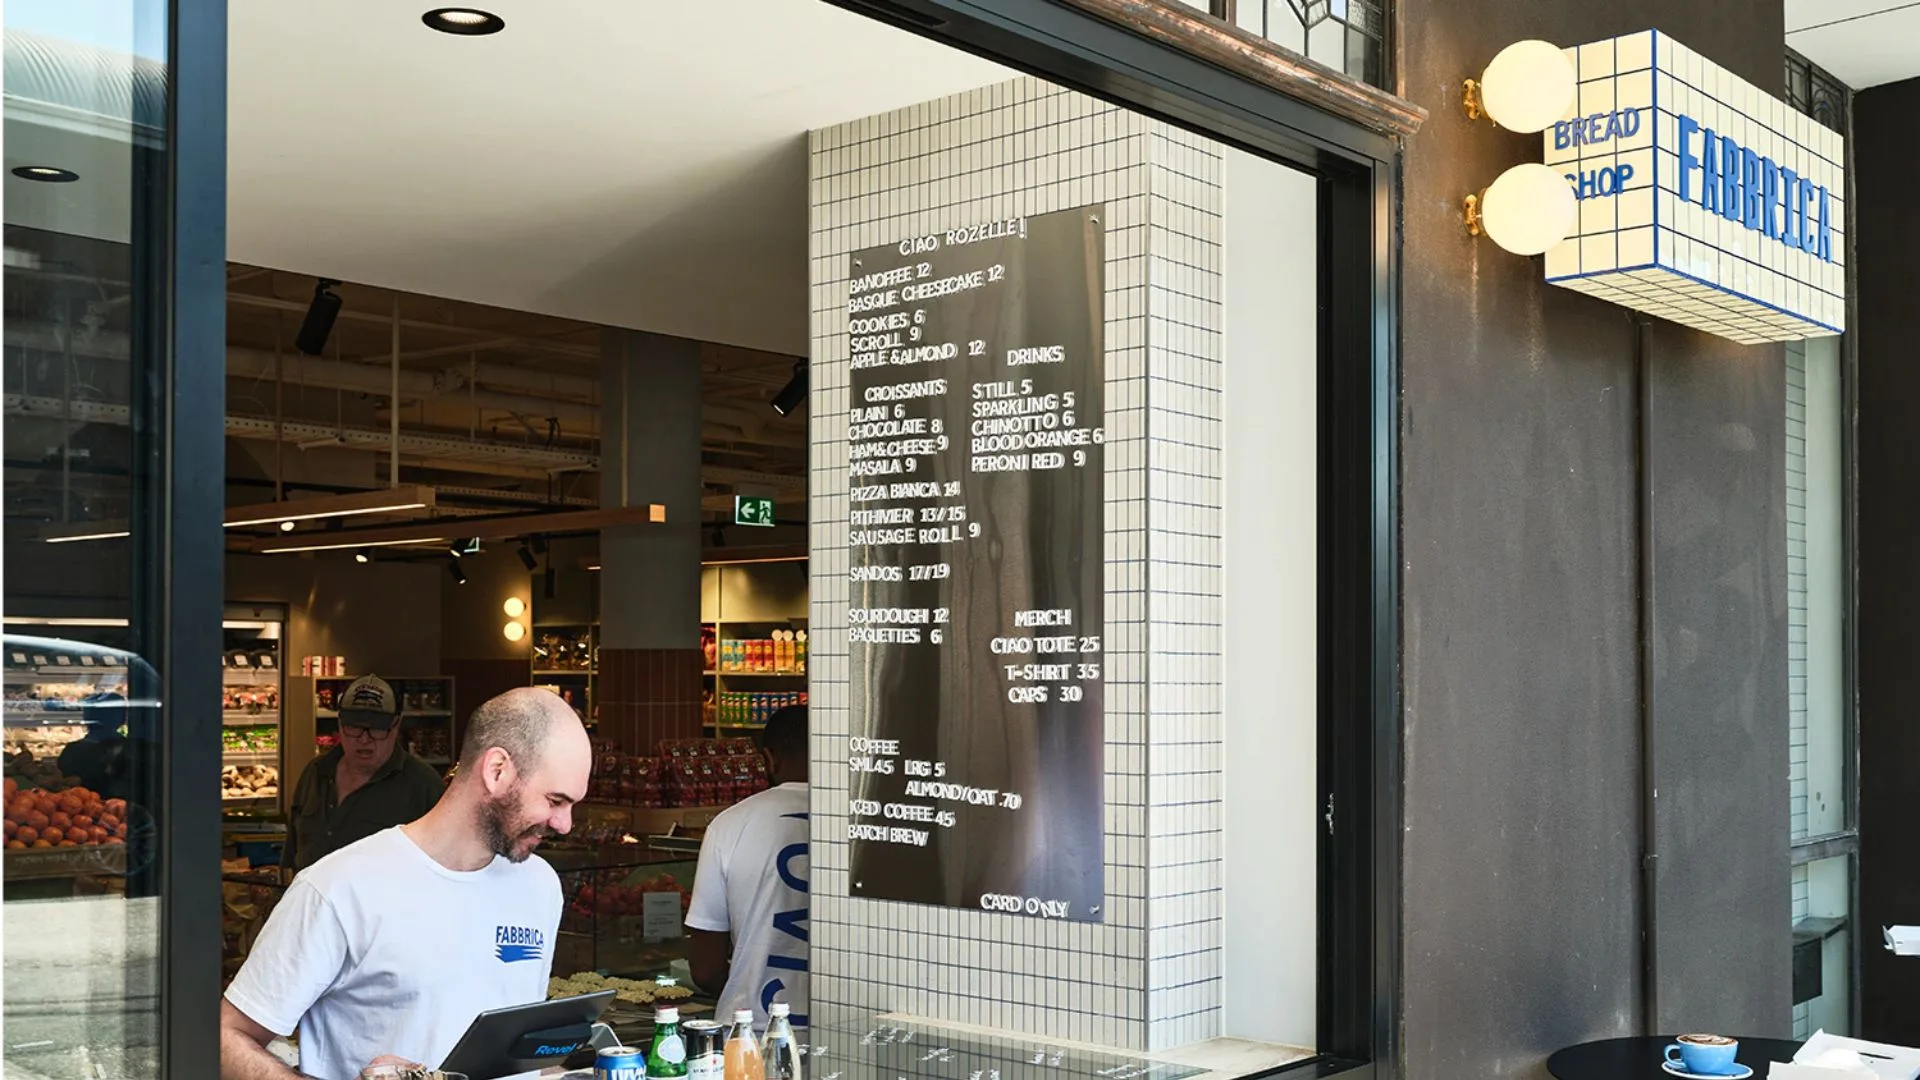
{"type": "Point", "coordinates": [1701, 199]}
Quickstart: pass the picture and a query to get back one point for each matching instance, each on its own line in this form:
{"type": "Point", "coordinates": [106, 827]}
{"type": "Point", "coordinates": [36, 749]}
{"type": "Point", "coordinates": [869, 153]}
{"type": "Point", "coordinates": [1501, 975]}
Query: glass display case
{"type": "Point", "coordinates": [77, 725]}
{"type": "Point", "coordinates": [253, 691]}
{"type": "Point", "coordinates": [72, 742]}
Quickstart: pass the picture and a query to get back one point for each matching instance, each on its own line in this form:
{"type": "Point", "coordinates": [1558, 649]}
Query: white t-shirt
{"type": "Point", "coordinates": [752, 883]}
{"type": "Point", "coordinates": [378, 949]}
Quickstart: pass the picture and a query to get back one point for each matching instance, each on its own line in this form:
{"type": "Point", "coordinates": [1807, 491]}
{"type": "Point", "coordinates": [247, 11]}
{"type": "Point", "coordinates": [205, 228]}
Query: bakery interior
{"type": "Point", "coordinates": [450, 443]}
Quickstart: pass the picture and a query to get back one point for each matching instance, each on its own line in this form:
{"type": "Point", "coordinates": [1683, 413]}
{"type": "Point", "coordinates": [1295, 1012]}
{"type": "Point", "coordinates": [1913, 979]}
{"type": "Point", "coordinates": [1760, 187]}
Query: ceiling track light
{"type": "Point", "coordinates": [794, 394]}
{"type": "Point", "coordinates": [318, 325]}
{"type": "Point", "coordinates": [464, 22]}
{"type": "Point", "coordinates": [526, 558]}
{"type": "Point", "coordinates": [363, 556]}
{"type": "Point", "coordinates": [454, 568]}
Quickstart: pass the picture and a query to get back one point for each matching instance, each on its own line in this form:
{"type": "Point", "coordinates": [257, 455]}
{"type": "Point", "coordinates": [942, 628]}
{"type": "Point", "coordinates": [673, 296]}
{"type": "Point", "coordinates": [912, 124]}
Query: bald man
{"type": "Point", "coordinates": [385, 950]}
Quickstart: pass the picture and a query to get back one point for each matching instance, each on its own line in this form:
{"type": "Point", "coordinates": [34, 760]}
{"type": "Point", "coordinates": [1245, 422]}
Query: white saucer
{"type": "Point", "coordinates": [1740, 1072]}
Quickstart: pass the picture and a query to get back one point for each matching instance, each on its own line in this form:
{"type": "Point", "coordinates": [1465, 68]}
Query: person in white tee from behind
{"type": "Point", "coordinates": [748, 915]}
{"type": "Point", "coordinates": [384, 951]}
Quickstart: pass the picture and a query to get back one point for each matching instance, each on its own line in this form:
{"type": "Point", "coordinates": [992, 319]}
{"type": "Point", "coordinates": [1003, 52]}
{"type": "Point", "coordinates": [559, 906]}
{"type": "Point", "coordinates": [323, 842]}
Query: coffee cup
{"type": "Point", "coordinates": [1705, 1055]}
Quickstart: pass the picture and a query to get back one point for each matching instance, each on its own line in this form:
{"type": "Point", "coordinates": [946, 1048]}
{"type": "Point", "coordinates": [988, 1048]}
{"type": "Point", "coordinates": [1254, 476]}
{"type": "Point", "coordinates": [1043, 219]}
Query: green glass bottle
{"type": "Point", "coordinates": [667, 1057]}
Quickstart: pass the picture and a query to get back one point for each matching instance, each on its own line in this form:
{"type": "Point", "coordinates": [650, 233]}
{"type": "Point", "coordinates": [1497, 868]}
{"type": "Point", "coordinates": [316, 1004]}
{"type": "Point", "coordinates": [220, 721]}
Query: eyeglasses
{"type": "Point", "coordinates": [370, 734]}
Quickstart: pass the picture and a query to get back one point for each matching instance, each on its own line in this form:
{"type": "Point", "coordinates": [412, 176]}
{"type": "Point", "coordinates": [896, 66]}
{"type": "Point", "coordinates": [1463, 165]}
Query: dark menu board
{"type": "Point", "coordinates": [976, 606]}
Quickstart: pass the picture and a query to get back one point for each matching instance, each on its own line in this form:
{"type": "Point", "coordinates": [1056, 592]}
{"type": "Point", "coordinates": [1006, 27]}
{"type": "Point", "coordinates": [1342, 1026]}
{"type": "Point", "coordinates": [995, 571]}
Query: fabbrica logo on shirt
{"type": "Point", "coordinates": [513, 944]}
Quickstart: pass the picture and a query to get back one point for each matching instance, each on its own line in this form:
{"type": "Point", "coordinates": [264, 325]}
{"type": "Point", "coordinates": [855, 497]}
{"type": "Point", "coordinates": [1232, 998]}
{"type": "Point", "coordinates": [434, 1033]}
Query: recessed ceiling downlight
{"type": "Point", "coordinates": [46, 174]}
{"type": "Point", "coordinates": [468, 22]}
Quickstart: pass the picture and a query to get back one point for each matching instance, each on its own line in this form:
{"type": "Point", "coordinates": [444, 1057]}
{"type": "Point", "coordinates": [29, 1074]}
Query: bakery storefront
{"type": "Point", "coordinates": [934, 365]}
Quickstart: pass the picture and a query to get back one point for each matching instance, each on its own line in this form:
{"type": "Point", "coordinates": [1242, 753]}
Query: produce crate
{"type": "Point", "coordinates": [65, 862]}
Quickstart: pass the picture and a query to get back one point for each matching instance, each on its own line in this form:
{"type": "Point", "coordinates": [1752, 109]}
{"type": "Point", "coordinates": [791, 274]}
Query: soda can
{"type": "Point", "coordinates": [706, 1050]}
{"type": "Point", "coordinates": [620, 1063]}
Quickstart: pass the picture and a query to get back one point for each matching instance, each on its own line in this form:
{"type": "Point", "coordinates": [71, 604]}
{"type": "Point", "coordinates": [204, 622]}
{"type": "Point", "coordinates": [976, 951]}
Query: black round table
{"type": "Point", "coordinates": [1639, 1058]}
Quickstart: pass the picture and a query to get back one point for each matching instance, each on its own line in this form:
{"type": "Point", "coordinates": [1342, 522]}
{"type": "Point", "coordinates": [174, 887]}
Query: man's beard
{"type": "Point", "coordinates": [502, 839]}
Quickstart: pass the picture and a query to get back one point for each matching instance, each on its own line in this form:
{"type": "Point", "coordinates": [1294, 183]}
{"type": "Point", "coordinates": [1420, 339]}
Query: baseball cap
{"type": "Point", "coordinates": [369, 702]}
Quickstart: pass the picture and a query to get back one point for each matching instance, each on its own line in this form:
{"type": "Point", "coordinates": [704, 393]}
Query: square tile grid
{"type": "Point", "coordinates": [1149, 976]}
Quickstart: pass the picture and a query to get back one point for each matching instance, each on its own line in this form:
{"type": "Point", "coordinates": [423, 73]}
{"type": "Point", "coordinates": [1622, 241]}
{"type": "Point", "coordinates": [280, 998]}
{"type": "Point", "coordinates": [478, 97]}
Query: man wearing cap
{"type": "Point", "coordinates": [367, 783]}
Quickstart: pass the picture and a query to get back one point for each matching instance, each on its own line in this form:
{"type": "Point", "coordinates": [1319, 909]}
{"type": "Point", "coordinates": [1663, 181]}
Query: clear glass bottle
{"type": "Point", "coordinates": [780, 1051]}
{"type": "Point", "coordinates": [667, 1057]}
{"type": "Point", "coordinates": [742, 1052]}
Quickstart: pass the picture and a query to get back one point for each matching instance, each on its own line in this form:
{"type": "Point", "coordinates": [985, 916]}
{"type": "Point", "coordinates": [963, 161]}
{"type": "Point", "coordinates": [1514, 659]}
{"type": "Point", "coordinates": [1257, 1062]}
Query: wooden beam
{"type": "Point", "coordinates": [1261, 61]}
{"type": "Point", "coordinates": [496, 528]}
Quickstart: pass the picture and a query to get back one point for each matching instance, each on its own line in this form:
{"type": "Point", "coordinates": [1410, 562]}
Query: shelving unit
{"type": "Point", "coordinates": [426, 714]}
{"type": "Point", "coordinates": [565, 660]}
{"type": "Point", "coordinates": [752, 602]}
{"type": "Point", "coordinates": [253, 696]}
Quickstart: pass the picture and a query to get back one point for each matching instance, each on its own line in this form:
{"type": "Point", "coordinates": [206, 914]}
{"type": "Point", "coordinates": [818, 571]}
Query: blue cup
{"type": "Point", "coordinates": [1705, 1055]}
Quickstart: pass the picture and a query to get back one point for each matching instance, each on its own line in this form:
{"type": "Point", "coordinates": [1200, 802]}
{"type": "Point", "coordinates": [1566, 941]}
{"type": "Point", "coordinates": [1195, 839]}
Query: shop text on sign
{"type": "Point", "coordinates": [1701, 199]}
{"type": "Point", "coordinates": [976, 526]}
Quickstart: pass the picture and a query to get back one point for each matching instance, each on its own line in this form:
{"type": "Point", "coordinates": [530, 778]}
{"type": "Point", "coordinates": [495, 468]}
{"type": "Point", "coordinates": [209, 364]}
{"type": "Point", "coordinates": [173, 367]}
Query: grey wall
{"type": "Point", "coordinates": [473, 615]}
{"type": "Point", "coordinates": [1520, 607]}
{"type": "Point", "coordinates": [1887, 225]}
{"type": "Point", "coordinates": [383, 617]}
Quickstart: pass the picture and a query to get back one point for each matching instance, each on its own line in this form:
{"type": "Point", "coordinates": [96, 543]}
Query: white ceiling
{"type": "Point", "coordinates": [639, 163]}
{"type": "Point", "coordinates": [1864, 43]}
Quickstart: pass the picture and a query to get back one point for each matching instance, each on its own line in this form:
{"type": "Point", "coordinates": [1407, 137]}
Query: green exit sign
{"type": "Point", "coordinates": [752, 511]}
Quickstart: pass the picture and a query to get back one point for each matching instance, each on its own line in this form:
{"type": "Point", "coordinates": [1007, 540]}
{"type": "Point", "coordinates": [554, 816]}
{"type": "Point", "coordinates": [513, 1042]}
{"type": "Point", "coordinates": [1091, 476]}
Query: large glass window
{"type": "Point", "coordinates": [1818, 715]}
{"type": "Point", "coordinates": [87, 537]}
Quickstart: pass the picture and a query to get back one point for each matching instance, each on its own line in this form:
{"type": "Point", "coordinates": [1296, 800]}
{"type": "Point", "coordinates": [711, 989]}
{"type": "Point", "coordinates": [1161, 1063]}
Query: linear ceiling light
{"type": "Point", "coordinates": [351, 544]}
{"type": "Point", "coordinates": [384, 501]}
{"type": "Point", "coordinates": [93, 532]}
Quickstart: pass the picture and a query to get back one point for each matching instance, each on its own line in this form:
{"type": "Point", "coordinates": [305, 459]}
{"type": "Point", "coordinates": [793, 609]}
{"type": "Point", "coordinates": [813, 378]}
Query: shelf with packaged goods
{"type": "Point", "coordinates": [43, 718]}
{"type": "Point", "coordinates": [426, 714]}
{"type": "Point", "coordinates": [28, 674]}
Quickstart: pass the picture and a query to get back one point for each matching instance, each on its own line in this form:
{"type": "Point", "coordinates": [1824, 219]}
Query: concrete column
{"type": "Point", "coordinates": [649, 681]}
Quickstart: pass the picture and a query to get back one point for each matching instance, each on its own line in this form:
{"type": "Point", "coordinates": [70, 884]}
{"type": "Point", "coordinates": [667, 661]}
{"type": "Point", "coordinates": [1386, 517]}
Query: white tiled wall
{"type": "Point", "coordinates": [1149, 976]}
{"type": "Point", "coordinates": [1797, 608]}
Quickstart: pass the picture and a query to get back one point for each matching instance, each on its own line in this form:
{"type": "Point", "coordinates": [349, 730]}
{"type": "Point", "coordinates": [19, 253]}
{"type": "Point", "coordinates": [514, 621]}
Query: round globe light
{"type": "Point", "coordinates": [514, 606]}
{"type": "Point", "coordinates": [1529, 86]}
{"type": "Point", "coordinates": [1529, 209]}
{"type": "Point", "coordinates": [514, 631]}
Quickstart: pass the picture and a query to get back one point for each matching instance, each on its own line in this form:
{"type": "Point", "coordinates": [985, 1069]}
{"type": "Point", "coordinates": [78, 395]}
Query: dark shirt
{"type": "Point", "coordinates": [99, 762]}
{"type": "Point", "coordinates": [401, 791]}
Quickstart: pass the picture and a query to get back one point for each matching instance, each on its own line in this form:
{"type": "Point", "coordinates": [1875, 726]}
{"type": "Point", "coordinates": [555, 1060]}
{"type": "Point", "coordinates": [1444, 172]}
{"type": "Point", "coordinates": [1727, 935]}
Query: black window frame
{"type": "Point", "coordinates": [1360, 763]}
{"type": "Point", "coordinates": [180, 329]}
{"type": "Point", "coordinates": [183, 204]}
